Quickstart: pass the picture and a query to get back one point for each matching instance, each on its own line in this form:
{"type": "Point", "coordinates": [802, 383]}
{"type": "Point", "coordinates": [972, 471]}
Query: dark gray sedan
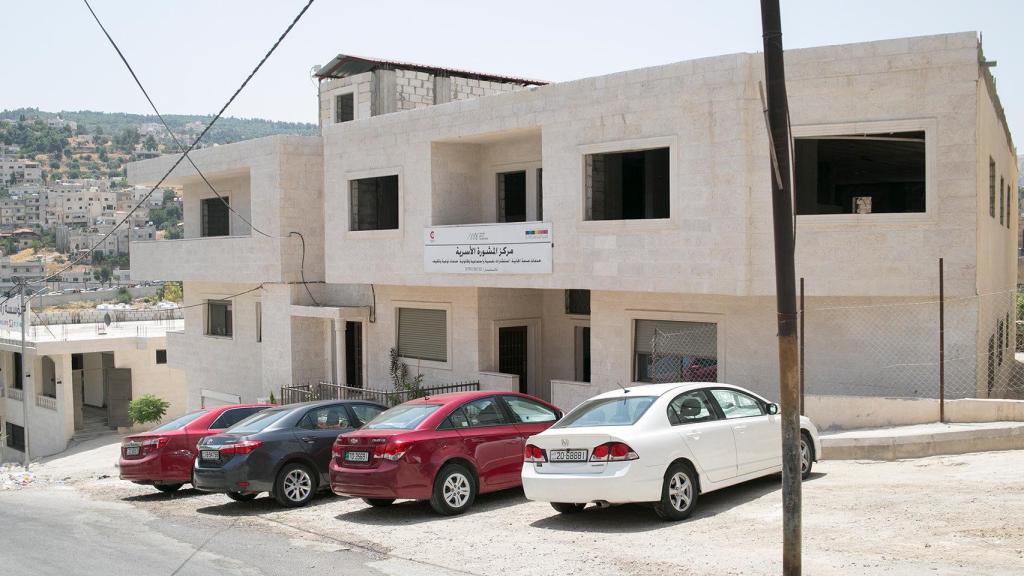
{"type": "Point", "coordinates": [284, 451]}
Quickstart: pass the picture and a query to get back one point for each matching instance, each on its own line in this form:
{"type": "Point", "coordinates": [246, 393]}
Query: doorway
{"type": "Point", "coordinates": [354, 354]}
{"type": "Point", "coordinates": [513, 353]}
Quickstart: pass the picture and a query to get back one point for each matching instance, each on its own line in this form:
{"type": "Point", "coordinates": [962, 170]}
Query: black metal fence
{"type": "Point", "coordinates": [331, 391]}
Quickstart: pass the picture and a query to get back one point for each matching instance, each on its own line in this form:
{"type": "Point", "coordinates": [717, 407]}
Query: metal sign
{"type": "Point", "coordinates": [507, 248]}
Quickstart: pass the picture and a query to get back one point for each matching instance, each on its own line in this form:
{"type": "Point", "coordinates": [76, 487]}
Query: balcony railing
{"type": "Point", "coordinates": [16, 394]}
{"type": "Point", "coordinates": [331, 391]}
{"type": "Point", "coordinates": [47, 402]}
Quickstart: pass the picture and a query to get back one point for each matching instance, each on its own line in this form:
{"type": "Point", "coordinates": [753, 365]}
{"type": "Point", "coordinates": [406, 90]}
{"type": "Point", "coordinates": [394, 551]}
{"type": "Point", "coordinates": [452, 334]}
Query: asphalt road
{"type": "Point", "coordinates": [57, 531]}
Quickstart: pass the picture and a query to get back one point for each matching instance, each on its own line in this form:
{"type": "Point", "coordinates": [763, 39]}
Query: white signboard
{"type": "Point", "coordinates": [515, 248]}
{"type": "Point", "coordinates": [10, 315]}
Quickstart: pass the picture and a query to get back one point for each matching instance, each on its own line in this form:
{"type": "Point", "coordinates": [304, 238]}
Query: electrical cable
{"type": "Point", "coordinates": [191, 146]}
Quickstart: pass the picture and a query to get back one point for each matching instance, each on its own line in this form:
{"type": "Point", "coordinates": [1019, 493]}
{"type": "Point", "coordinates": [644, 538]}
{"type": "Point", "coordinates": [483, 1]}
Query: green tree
{"type": "Point", "coordinates": [170, 291]}
{"type": "Point", "coordinates": [150, 143]}
{"type": "Point", "coordinates": [147, 408]}
{"type": "Point", "coordinates": [123, 296]}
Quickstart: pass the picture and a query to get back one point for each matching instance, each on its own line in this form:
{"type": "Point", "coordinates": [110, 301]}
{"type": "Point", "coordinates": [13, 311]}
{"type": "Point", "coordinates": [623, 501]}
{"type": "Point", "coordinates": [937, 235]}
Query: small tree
{"type": "Point", "coordinates": [123, 296]}
{"type": "Point", "coordinates": [147, 408]}
{"type": "Point", "coordinates": [400, 377]}
{"type": "Point", "coordinates": [272, 399]}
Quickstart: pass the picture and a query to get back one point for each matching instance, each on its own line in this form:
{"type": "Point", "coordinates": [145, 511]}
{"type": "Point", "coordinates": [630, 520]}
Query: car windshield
{"type": "Point", "coordinates": [179, 422]}
{"type": "Point", "coordinates": [623, 411]}
{"type": "Point", "coordinates": [258, 422]}
{"type": "Point", "coordinates": [404, 417]}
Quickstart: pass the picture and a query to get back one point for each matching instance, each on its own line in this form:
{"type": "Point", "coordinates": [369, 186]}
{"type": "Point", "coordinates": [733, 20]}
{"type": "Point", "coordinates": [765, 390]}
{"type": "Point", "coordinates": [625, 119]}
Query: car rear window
{"type": "Point", "coordinates": [179, 422]}
{"type": "Point", "coordinates": [258, 422]}
{"type": "Point", "coordinates": [403, 417]}
{"type": "Point", "coordinates": [623, 411]}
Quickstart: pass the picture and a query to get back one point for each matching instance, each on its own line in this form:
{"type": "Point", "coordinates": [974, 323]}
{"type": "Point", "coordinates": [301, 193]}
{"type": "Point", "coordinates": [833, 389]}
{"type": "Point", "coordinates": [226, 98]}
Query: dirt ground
{"type": "Point", "coordinates": [959, 515]}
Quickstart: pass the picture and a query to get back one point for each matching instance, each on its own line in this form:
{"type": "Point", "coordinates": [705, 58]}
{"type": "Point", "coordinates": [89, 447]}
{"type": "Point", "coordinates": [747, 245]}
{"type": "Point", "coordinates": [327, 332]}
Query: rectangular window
{"type": "Point", "coordinates": [15, 437]}
{"type": "Point", "coordinates": [540, 193]}
{"type": "Point", "coordinates": [423, 334]}
{"type": "Point", "coordinates": [582, 348]}
{"type": "Point", "coordinates": [17, 371]}
{"type": "Point", "coordinates": [161, 356]}
{"type": "Point", "coordinates": [344, 108]}
{"type": "Point", "coordinates": [669, 351]}
{"type": "Point", "coordinates": [218, 318]}
{"type": "Point", "coordinates": [860, 174]}
{"type": "Point", "coordinates": [577, 302]}
{"type": "Point", "coordinates": [259, 322]}
{"type": "Point", "coordinates": [374, 203]}
{"type": "Point", "coordinates": [511, 188]}
{"type": "Point", "coordinates": [215, 217]}
{"type": "Point", "coordinates": [1002, 202]}
{"type": "Point", "coordinates": [1007, 205]}
{"type": "Point", "coordinates": [991, 187]}
{"type": "Point", "coordinates": [77, 362]}
{"type": "Point", "coordinates": [628, 185]}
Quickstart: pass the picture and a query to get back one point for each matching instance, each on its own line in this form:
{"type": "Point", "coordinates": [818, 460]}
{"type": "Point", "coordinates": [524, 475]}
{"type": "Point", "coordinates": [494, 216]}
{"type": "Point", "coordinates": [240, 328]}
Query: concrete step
{"type": "Point", "coordinates": [920, 440]}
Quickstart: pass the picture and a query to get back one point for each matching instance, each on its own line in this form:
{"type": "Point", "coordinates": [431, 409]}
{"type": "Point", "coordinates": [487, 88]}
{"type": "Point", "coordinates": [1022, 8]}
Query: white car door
{"type": "Point", "coordinates": [758, 434]}
{"type": "Point", "coordinates": [710, 439]}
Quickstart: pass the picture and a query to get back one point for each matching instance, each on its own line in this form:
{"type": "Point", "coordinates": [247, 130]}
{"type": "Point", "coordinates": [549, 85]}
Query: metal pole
{"type": "Point", "coordinates": [803, 339]}
{"type": "Point", "coordinates": [942, 345]}
{"type": "Point", "coordinates": [25, 396]}
{"type": "Point", "coordinates": [785, 285]}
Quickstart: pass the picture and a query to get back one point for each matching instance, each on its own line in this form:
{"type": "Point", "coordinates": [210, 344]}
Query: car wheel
{"type": "Point", "coordinates": [240, 497]}
{"type": "Point", "coordinates": [168, 488]}
{"type": "Point", "coordinates": [454, 490]}
{"type": "Point", "coordinates": [295, 485]}
{"type": "Point", "coordinates": [678, 494]}
{"type": "Point", "coordinates": [806, 455]}
{"type": "Point", "coordinates": [379, 502]}
{"type": "Point", "coordinates": [567, 507]}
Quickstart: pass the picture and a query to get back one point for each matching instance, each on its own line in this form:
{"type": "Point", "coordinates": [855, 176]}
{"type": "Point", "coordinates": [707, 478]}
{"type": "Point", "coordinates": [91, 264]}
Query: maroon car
{"type": "Point", "coordinates": [163, 457]}
{"type": "Point", "coordinates": [445, 449]}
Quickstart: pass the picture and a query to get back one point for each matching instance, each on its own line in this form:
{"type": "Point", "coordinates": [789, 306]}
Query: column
{"type": "Point", "coordinates": [339, 351]}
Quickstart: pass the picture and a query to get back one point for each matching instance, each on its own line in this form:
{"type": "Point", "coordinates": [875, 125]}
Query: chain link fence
{"type": "Point", "coordinates": [866, 347]}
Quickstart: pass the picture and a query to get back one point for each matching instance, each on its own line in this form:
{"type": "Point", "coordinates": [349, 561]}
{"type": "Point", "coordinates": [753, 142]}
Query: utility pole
{"type": "Point", "coordinates": [25, 396]}
{"type": "Point", "coordinates": [785, 284]}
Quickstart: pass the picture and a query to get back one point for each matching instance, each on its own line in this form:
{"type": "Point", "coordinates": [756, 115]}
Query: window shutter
{"type": "Point", "coordinates": [423, 334]}
{"type": "Point", "coordinates": [697, 338]}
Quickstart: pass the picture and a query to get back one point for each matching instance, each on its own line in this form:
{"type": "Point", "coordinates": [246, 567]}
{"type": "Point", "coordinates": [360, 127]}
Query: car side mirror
{"type": "Point", "coordinates": [773, 408]}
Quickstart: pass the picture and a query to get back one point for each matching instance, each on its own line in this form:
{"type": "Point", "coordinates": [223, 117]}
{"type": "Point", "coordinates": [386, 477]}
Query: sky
{"type": "Point", "coordinates": [192, 54]}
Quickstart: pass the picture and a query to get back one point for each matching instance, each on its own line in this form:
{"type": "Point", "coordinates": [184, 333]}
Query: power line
{"type": "Point", "coordinates": [174, 138]}
{"type": "Point", "coordinates": [190, 147]}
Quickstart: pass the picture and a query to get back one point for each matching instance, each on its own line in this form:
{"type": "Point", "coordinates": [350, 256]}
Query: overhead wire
{"type": "Point", "coordinates": [185, 152]}
{"type": "Point", "coordinates": [194, 143]}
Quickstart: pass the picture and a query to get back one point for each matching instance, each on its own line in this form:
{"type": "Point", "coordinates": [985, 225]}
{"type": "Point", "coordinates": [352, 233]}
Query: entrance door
{"type": "Point", "coordinates": [119, 394]}
{"type": "Point", "coordinates": [354, 354]}
{"type": "Point", "coordinates": [512, 197]}
{"type": "Point", "coordinates": [513, 354]}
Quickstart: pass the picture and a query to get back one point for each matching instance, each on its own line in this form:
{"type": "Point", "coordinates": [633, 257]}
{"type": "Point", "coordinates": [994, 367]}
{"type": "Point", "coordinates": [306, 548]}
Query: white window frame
{"type": "Point", "coordinates": [415, 363]}
{"type": "Point", "coordinates": [719, 320]}
{"type": "Point", "coordinates": [845, 221]}
{"type": "Point", "coordinates": [491, 187]}
{"type": "Point", "coordinates": [633, 145]}
{"type": "Point", "coordinates": [351, 89]}
{"type": "Point", "coordinates": [374, 173]}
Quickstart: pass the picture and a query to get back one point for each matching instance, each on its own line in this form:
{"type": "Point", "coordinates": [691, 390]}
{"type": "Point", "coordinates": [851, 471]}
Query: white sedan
{"type": "Point", "coordinates": [660, 443]}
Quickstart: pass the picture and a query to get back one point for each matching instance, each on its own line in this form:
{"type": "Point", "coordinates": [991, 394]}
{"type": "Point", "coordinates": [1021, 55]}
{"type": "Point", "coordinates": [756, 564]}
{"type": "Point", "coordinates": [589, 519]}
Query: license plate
{"type": "Point", "coordinates": [210, 455]}
{"type": "Point", "coordinates": [357, 456]}
{"type": "Point", "coordinates": [567, 455]}
{"type": "Point", "coordinates": [131, 451]}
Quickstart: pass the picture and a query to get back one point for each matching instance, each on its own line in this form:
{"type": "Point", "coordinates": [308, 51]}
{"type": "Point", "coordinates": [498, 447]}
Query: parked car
{"type": "Point", "coordinates": [664, 444]}
{"type": "Point", "coordinates": [164, 456]}
{"type": "Point", "coordinates": [445, 449]}
{"type": "Point", "coordinates": [284, 451]}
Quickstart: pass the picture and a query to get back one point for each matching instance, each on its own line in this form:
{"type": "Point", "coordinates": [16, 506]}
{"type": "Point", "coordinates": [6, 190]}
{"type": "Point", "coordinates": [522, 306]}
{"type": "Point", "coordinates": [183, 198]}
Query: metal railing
{"type": "Point", "coordinates": [332, 391]}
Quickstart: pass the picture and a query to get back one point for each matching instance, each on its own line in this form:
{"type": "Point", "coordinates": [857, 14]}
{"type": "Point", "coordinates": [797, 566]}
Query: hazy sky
{"type": "Point", "coordinates": [192, 54]}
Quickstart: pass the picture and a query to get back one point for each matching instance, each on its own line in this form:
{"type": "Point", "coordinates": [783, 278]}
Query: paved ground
{"type": "Point", "coordinates": [958, 515]}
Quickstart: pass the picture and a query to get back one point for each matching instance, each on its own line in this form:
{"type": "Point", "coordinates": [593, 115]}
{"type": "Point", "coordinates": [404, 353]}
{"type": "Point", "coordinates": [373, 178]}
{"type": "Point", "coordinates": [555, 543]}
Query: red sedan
{"type": "Point", "coordinates": [445, 449]}
{"type": "Point", "coordinates": [164, 456]}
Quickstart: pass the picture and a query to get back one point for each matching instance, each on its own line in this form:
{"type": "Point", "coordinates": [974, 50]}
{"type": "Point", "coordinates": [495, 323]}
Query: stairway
{"type": "Point", "coordinates": [94, 424]}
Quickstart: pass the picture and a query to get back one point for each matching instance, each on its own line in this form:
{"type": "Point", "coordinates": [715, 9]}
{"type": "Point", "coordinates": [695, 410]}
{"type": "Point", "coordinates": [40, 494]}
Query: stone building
{"type": "Point", "coordinates": [541, 237]}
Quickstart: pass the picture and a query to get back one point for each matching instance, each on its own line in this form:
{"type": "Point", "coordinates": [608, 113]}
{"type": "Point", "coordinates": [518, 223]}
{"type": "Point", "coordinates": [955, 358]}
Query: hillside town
{"type": "Point", "coordinates": [769, 304]}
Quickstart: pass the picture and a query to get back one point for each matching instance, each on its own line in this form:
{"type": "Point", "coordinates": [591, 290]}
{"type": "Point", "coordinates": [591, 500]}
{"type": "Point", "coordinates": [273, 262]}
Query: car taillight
{"type": "Point", "coordinates": [612, 452]}
{"type": "Point", "coordinates": [336, 449]}
{"type": "Point", "coordinates": [244, 447]}
{"type": "Point", "coordinates": [534, 454]}
{"type": "Point", "coordinates": [152, 444]}
{"type": "Point", "coordinates": [393, 450]}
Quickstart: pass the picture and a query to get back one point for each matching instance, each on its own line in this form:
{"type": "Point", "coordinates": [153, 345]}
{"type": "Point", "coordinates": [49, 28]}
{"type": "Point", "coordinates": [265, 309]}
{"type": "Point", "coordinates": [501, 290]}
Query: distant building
{"type": "Point", "coordinates": [16, 170]}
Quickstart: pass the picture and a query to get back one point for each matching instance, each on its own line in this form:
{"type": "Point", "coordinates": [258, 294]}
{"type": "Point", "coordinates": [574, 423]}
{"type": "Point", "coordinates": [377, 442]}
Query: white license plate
{"type": "Point", "coordinates": [131, 451]}
{"type": "Point", "coordinates": [210, 455]}
{"type": "Point", "coordinates": [357, 456]}
{"type": "Point", "coordinates": [567, 455]}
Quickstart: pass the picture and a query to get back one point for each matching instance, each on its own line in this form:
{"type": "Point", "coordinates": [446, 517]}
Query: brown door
{"type": "Point", "coordinates": [119, 394]}
{"type": "Point", "coordinates": [512, 354]}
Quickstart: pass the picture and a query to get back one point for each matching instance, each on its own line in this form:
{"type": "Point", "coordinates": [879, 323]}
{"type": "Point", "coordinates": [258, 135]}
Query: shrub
{"type": "Point", "coordinates": [147, 408]}
{"type": "Point", "coordinates": [123, 296]}
{"type": "Point", "coordinates": [400, 377]}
